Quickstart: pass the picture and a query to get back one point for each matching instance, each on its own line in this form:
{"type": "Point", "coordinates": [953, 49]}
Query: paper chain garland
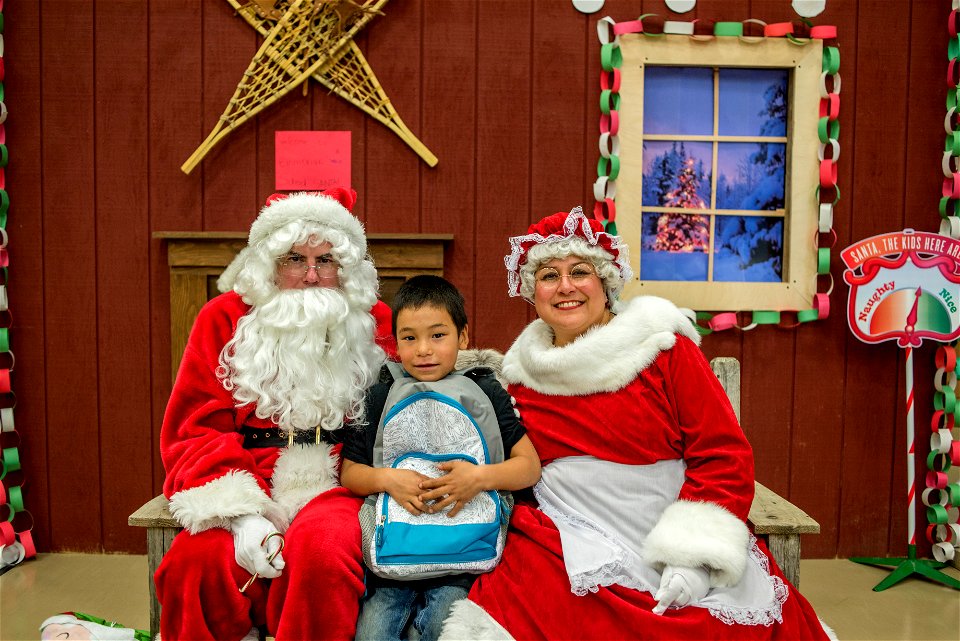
{"type": "Point", "coordinates": [16, 523]}
{"type": "Point", "coordinates": [942, 498]}
{"type": "Point", "coordinates": [828, 131]}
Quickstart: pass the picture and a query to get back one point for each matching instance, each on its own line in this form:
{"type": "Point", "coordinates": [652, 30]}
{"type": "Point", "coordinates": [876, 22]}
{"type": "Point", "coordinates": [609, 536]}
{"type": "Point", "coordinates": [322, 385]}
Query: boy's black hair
{"type": "Point", "coordinates": [435, 291]}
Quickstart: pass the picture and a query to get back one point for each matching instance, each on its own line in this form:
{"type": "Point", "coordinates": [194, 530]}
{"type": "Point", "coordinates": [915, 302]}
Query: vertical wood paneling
{"type": "Point", "coordinates": [563, 40]}
{"type": "Point", "coordinates": [26, 273]}
{"type": "Point", "coordinates": [821, 348]}
{"type": "Point", "coordinates": [566, 68]}
{"type": "Point", "coordinates": [503, 193]}
{"type": "Point", "coordinates": [176, 127]}
{"type": "Point", "coordinates": [390, 183]}
{"type": "Point", "coordinates": [770, 11]}
{"type": "Point", "coordinates": [70, 295]}
{"type": "Point", "coordinates": [229, 171]}
{"type": "Point", "coordinates": [122, 260]}
{"type": "Point", "coordinates": [107, 99]}
{"type": "Point", "coordinates": [872, 371]}
{"type": "Point", "coordinates": [449, 191]}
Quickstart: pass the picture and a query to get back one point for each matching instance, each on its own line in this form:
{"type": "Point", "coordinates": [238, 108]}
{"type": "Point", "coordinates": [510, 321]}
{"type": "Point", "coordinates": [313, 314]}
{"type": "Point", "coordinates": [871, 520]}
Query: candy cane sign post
{"type": "Point", "coordinates": [905, 286]}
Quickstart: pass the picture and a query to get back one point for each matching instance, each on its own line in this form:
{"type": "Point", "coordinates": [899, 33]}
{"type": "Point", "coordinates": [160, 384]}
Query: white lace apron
{"type": "Point", "coordinates": [604, 512]}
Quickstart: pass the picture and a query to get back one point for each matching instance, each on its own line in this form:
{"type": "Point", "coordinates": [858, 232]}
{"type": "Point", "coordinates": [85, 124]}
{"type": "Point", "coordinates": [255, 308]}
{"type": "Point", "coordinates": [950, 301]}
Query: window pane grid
{"type": "Point", "coordinates": [753, 238]}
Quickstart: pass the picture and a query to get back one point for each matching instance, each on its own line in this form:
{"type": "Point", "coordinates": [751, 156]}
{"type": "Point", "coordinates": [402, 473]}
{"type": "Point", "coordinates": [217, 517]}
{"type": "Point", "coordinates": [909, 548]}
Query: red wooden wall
{"type": "Point", "coordinates": [108, 97]}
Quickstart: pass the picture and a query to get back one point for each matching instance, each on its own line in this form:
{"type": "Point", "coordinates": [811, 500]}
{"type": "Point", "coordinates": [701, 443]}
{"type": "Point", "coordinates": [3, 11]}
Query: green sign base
{"type": "Point", "coordinates": [905, 567]}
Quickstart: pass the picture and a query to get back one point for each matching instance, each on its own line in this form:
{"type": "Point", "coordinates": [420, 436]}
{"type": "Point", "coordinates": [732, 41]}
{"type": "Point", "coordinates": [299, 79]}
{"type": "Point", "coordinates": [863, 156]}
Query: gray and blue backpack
{"type": "Point", "coordinates": [423, 424]}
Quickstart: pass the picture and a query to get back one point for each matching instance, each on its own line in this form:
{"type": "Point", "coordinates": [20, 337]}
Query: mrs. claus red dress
{"type": "Point", "coordinates": [645, 465]}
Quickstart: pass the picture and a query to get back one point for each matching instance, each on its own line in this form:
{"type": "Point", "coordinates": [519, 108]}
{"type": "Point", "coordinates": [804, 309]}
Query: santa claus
{"type": "Point", "coordinates": [272, 369]}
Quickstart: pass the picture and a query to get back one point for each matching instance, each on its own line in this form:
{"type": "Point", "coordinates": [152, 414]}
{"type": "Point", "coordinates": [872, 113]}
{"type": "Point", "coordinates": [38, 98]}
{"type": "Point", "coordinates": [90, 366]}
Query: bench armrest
{"type": "Point", "coordinates": [153, 513]}
{"type": "Point", "coordinates": [773, 514]}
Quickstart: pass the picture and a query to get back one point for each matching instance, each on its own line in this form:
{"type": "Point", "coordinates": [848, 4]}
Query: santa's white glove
{"type": "Point", "coordinates": [254, 546]}
{"type": "Point", "coordinates": [680, 586]}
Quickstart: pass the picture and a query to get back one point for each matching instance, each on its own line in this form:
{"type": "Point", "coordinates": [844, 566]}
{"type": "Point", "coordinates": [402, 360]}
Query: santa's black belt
{"type": "Point", "coordinates": [275, 437]}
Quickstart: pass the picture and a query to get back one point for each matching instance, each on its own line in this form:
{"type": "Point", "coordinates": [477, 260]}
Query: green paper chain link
{"type": "Point", "coordinates": [945, 398]}
{"type": "Point", "coordinates": [9, 456]}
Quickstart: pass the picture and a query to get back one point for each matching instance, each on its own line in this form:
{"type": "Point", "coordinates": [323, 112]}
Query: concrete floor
{"type": "Point", "coordinates": [114, 587]}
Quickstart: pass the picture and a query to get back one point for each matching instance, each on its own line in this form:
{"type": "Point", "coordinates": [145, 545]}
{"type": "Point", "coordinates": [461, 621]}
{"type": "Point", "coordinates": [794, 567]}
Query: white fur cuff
{"type": "Point", "coordinates": [467, 620]}
{"type": "Point", "coordinates": [215, 503]}
{"type": "Point", "coordinates": [302, 473]}
{"type": "Point", "coordinates": [828, 630]}
{"type": "Point", "coordinates": [705, 535]}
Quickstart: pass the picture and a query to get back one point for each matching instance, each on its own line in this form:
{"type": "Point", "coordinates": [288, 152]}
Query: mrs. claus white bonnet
{"type": "Point", "coordinates": [567, 234]}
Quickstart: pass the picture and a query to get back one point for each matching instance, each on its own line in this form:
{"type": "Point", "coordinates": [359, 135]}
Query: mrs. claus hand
{"type": "Point", "coordinates": [681, 586]}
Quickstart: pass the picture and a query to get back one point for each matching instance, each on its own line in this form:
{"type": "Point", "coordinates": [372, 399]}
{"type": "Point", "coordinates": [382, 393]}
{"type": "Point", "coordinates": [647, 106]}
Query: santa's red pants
{"type": "Point", "coordinates": [316, 597]}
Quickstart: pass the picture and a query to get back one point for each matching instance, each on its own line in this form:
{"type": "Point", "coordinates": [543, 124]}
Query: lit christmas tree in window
{"type": "Point", "coordinates": [683, 232]}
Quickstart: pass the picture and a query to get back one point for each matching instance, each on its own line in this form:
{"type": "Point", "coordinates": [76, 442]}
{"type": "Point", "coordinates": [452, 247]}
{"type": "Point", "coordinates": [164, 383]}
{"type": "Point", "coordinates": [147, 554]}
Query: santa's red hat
{"type": "Point", "coordinates": [324, 214]}
{"type": "Point", "coordinates": [330, 209]}
{"type": "Point", "coordinates": [565, 226]}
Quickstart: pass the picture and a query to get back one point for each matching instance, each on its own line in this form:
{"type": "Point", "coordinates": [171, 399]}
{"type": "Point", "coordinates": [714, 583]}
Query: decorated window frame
{"type": "Point", "coordinates": [632, 58]}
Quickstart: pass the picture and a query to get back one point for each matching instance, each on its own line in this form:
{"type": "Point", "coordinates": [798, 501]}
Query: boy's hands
{"type": "Point", "coordinates": [463, 481]}
{"type": "Point", "coordinates": [403, 486]}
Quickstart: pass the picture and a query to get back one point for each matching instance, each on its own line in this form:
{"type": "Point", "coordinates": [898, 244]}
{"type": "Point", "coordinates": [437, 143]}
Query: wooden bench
{"type": "Point", "coordinates": [772, 517]}
{"type": "Point", "coordinates": [161, 528]}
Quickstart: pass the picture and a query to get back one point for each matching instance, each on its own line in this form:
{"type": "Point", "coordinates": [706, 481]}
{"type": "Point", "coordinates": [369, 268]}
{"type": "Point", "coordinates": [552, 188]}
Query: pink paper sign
{"type": "Point", "coordinates": [312, 160]}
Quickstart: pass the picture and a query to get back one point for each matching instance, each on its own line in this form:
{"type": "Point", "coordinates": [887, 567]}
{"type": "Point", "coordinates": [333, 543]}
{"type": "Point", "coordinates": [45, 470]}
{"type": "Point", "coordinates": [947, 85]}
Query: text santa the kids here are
{"type": "Point", "coordinates": [903, 281]}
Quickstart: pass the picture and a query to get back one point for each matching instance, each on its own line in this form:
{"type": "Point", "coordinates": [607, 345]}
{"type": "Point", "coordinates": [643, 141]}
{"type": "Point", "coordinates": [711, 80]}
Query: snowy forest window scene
{"type": "Point", "coordinates": [716, 193]}
{"type": "Point", "coordinates": [714, 174]}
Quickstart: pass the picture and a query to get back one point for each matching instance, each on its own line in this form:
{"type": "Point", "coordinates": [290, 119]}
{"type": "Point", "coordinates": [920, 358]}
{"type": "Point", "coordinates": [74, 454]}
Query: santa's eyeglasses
{"type": "Point", "coordinates": [297, 265]}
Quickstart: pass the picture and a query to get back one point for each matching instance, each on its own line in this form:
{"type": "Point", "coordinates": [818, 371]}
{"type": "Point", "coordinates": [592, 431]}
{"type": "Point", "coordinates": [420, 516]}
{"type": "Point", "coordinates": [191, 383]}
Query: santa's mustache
{"type": "Point", "coordinates": [295, 309]}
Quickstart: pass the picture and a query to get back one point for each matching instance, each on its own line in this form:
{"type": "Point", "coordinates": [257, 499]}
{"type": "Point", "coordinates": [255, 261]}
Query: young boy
{"type": "Point", "coordinates": [430, 325]}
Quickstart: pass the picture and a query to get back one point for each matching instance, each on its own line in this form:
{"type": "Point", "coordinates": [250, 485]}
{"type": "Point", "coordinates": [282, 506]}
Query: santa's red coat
{"type": "Point", "coordinates": [211, 478]}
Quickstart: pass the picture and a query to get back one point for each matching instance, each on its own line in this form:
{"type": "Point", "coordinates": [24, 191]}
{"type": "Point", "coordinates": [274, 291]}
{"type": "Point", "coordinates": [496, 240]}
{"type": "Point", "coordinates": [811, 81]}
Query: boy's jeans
{"type": "Point", "coordinates": [384, 616]}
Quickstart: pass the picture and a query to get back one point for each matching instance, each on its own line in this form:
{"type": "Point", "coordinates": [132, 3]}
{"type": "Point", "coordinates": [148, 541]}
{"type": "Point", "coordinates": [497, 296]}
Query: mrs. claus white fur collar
{"type": "Point", "coordinates": [605, 359]}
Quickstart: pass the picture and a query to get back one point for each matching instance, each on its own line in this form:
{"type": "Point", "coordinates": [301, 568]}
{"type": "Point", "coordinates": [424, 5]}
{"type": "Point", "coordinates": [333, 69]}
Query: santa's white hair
{"type": "Point", "coordinates": [305, 357]}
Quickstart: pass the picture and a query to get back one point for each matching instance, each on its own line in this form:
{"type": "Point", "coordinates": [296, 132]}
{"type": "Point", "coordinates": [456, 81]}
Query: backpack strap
{"type": "Point", "coordinates": [395, 369]}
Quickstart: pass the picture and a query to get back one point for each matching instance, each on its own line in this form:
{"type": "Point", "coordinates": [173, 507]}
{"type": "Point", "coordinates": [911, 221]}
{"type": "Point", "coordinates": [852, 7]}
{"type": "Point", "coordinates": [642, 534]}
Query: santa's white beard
{"type": "Point", "coordinates": [305, 358]}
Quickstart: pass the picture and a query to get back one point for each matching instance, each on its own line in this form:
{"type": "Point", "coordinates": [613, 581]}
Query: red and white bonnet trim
{"type": "Point", "coordinates": [563, 226]}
